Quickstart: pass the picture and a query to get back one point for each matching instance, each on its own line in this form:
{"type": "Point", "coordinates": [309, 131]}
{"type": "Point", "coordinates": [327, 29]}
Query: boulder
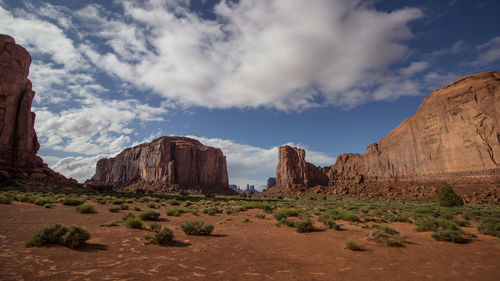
{"type": "Point", "coordinates": [171, 163]}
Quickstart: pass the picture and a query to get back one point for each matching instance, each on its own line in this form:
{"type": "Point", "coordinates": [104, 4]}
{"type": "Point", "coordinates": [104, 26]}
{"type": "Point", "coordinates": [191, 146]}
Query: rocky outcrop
{"type": "Point", "coordinates": [293, 172]}
{"type": "Point", "coordinates": [271, 182]}
{"type": "Point", "coordinates": [166, 164]}
{"type": "Point", "coordinates": [18, 141]}
{"type": "Point", "coordinates": [454, 137]}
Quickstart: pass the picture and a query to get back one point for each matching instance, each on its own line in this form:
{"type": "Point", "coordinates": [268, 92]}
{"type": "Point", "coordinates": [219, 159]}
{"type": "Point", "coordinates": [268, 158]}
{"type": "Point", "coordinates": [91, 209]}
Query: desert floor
{"type": "Point", "coordinates": [257, 250]}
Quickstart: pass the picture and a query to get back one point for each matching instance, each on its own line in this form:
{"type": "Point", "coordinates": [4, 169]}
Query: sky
{"type": "Point", "coordinates": [330, 76]}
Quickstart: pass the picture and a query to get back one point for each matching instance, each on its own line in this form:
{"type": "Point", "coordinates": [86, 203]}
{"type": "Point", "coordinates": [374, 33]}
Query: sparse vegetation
{"type": "Point", "coordinates": [260, 216]}
{"type": "Point", "coordinates": [85, 208]}
{"type": "Point", "coordinates": [490, 226]}
{"type": "Point", "coordinates": [197, 228]}
{"type": "Point", "coordinates": [132, 222]}
{"type": "Point", "coordinates": [71, 237]}
{"type": "Point", "coordinates": [149, 215]}
{"type": "Point", "coordinates": [304, 226]}
{"type": "Point", "coordinates": [448, 198]}
{"type": "Point", "coordinates": [352, 245]}
{"type": "Point", "coordinates": [114, 209]}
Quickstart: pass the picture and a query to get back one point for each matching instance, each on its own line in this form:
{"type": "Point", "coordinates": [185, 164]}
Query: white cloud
{"type": "Point", "coordinates": [282, 54]}
{"type": "Point", "coordinates": [490, 52]}
{"type": "Point", "coordinates": [79, 168]}
{"type": "Point", "coordinates": [415, 67]}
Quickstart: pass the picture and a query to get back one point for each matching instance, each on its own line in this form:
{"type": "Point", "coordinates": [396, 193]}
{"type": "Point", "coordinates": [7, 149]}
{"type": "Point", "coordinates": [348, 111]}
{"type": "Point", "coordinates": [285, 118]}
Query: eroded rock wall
{"type": "Point", "coordinates": [454, 137]}
{"type": "Point", "coordinates": [172, 161]}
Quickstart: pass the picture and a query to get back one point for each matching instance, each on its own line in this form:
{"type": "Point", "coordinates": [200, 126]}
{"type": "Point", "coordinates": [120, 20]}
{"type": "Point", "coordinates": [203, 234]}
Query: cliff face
{"type": "Point", "coordinates": [454, 137]}
{"type": "Point", "coordinates": [18, 141]}
{"type": "Point", "coordinates": [169, 161]}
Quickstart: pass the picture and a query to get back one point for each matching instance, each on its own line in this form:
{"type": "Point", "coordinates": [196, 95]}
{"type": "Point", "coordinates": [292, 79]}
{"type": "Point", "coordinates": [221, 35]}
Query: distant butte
{"type": "Point", "coordinates": [164, 165]}
{"type": "Point", "coordinates": [454, 137]}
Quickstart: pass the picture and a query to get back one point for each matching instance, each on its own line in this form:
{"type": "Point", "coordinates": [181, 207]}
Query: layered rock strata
{"type": "Point", "coordinates": [18, 140]}
{"type": "Point", "coordinates": [454, 137]}
{"type": "Point", "coordinates": [167, 163]}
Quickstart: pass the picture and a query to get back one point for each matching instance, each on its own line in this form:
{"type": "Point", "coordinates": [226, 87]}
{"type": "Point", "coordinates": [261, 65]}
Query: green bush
{"type": "Point", "coordinates": [286, 221]}
{"type": "Point", "coordinates": [132, 222]}
{"type": "Point", "coordinates": [352, 245]}
{"type": "Point", "coordinates": [197, 228]}
{"type": "Point", "coordinates": [128, 215]}
{"type": "Point", "coordinates": [211, 210]}
{"type": "Point", "coordinates": [137, 209]}
{"type": "Point", "coordinates": [245, 220]}
{"type": "Point", "coordinates": [450, 235]}
{"type": "Point", "coordinates": [448, 198]}
{"type": "Point", "coordinates": [70, 201]}
{"type": "Point", "coordinates": [490, 226]}
{"type": "Point", "coordinates": [173, 202]}
{"type": "Point", "coordinates": [149, 215]}
{"type": "Point", "coordinates": [386, 229]}
{"type": "Point", "coordinates": [151, 205]}
{"type": "Point", "coordinates": [175, 212]}
{"type": "Point", "coordinates": [260, 216]}
{"type": "Point", "coordinates": [304, 226]}
{"type": "Point", "coordinates": [85, 208]}
{"type": "Point", "coordinates": [123, 207]}
{"type": "Point", "coordinates": [5, 200]}
{"type": "Point", "coordinates": [426, 224]}
{"type": "Point", "coordinates": [111, 223]}
{"type": "Point", "coordinates": [155, 227]}
{"type": "Point", "coordinates": [163, 236]}
{"type": "Point", "coordinates": [47, 206]}
{"type": "Point", "coordinates": [336, 214]}
{"type": "Point", "coordinates": [71, 237]}
{"type": "Point", "coordinates": [114, 209]}
{"type": "Point", "coordinates": [117, 202]}
{"type": "Point", "coordinates": [40, 201]}
{"type": "Point", "coordinates": [285, 213]}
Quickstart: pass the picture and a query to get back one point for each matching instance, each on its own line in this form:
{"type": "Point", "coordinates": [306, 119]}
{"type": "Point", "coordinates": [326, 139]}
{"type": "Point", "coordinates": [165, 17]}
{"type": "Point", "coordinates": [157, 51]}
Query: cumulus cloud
{"type": "Point", "coordinates": [79, 168]}
{"type": "Point", "coordinates": [290, 55]}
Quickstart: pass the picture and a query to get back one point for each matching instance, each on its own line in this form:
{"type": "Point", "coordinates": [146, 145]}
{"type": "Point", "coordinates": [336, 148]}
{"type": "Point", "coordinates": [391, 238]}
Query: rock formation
{"type": "Point", "coordinates": [169, 163]}
{"type": "Point", "coordinates": [271, 182]}
{"type": "Point", "coordinates": [18, 141]}
{"type": "Point", "coordinates": [454, 137]}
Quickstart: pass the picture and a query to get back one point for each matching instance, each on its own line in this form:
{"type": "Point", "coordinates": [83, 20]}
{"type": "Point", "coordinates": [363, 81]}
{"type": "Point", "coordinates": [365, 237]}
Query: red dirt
{"type": "Point", "coordinates": [258, 250]}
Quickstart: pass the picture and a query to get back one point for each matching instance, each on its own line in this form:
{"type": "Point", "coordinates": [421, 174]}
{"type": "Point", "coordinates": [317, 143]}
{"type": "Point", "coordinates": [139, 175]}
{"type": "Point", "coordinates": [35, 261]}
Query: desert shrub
{"type": "Point", "coordinates": [245, 220]}
{"type": "Point", "coordinates": [187, 203]}
{"type": "Point", "coordinates": [155, 227]}
{"type": "Point", "coordinates": [197, 228]}
{"type": "Point", "coordinates": [260, 216]}
{"type": "Point", "coordinates": [40, 201]}
{"type": "Point", "coordinates": [163, 236]}
{"type": "Point", "coordinates": [123, 207]}
{"type": "Point", "coordinates": [70, 201]}
{"type": "Point", "coordinates": [352, 245]}
{"type": "Point", "coordinates": [137, 209]}
{"type": "Point", "coordinates": [117, 202]}
{"type": "Point", "coordinates": [111, 223]}
{"type": "Point", "coordinates": [285, 213]}
{"type": "Point", "coordinates": [114, 209]}
{"type": "Point", "coordinates": [211, 210]}
{"type": "Point", "coordinates": [286, 221]}
{"type": "Point", "coordinates": [460, 222]}
{"type": "Point", "coordinates": [85, 208]}
{"type": "Point", "coordinates": [173, 202]}
{"type": "Point", "coordinates": [331, 224]}
{"type": "Point", "coordinates": [127, 215]}
{"type": "Point", "coordinates": [132, 222]}
{"type": "Point", "coordinates": [259, 205]}
{"type": "Point", "coordinates": [450, 235]}
{"type": "Point", "coordinates": [446, 224]}
{"type": "Point", "coordinates": [448, 198]}
{"type": "Point", "coordinates": [47, 205]}
{"type": "Point", "coordinates": [340, 215]}
{"type": "Point", "coordinates": [426, 224]}
{"type": "Point", "coordinates": [175, 212]}
{"type": "Point", "coordinates": [386, 229]}
{"type": "Point", "coordinates": [149, 215]}
{"type": "Point", "coordinates": [151, 205]}
{"type": "Point", "coordinates": [304, 226]}
{"type": "Point", "coordinates": [229, 210]}
{"type": "Point", "coordinates": [490, 226]}
{"type": "Point", "coordinates": [71, 237]}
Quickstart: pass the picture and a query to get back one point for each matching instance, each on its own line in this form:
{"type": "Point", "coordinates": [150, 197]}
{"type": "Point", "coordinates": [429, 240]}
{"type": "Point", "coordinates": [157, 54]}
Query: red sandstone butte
{"type": "Point", "coordinates": [167, 161]}
{"type": "Point", "coordinates": [454, 137]}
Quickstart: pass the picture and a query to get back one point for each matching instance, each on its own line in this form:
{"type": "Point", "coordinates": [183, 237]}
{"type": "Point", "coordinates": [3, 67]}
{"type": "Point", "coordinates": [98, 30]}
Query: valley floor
{"type": "Point", "coordinates": [255, 250]}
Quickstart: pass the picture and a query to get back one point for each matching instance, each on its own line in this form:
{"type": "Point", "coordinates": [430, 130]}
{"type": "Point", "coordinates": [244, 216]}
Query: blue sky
{"type": "Point", "coordinates": [330, 76]}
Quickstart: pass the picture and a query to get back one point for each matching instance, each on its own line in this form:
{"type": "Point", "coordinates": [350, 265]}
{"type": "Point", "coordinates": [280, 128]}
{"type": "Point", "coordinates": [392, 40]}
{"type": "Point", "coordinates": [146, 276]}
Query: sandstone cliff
{"type": "Point", "coordinates": [454, 137]}
{"type": "Point", "coordinates": [166, 164]}
{"type": "Point", "coordinates": [18, 141]}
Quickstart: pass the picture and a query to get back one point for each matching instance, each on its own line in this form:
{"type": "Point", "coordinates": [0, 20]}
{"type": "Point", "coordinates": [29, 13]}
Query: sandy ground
{"type": "Point", "coordinates": [258, 250]}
